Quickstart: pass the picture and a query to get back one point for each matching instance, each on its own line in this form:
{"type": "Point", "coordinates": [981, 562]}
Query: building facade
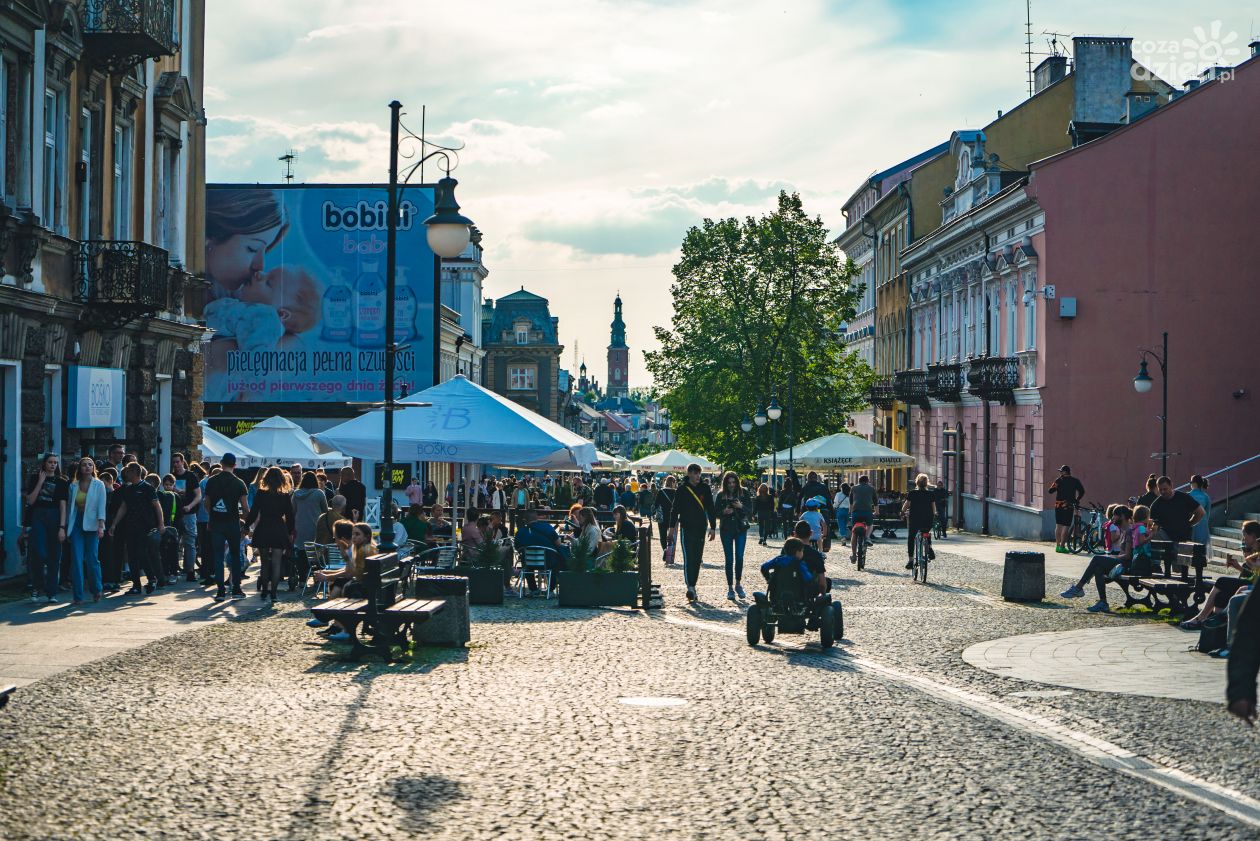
{"type": "Point", "coordinates": [102, 197]}
{"type": "Point", "coordinates": [522, 348]}
{"type": "Point", "coordinates": [618, 355]}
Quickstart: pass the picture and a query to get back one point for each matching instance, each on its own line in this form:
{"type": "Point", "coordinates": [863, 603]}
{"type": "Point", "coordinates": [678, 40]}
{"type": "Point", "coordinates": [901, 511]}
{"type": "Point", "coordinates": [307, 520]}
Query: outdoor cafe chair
{"type": "Point", "coordinates": [533, 561]}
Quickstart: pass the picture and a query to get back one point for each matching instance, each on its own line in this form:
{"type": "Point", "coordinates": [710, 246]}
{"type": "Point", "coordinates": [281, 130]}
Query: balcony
{"type": "Point", "coordinates": [994, 378]}
{"type": "Point", "coordinates": [120, 281]}
{"type": "Point", "coordinates": [119, 34]}
{"type": "Point", "coordinates": [882, 395]}
{"type": "Point", "coordinates": [945, 382]}
{"type": "Point", "coordinates": [910, 387]}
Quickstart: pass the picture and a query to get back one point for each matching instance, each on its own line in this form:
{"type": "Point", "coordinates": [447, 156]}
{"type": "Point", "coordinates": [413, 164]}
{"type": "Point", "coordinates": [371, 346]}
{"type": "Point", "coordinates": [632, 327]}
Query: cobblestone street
{"type": "Point", "coordinates": [609, 724]}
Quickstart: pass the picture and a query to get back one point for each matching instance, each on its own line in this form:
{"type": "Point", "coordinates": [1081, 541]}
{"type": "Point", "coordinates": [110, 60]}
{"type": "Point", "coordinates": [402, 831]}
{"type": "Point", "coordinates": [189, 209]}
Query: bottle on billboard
{"type": "Point", "coordinates": [369, 293]}
{"type": "Point", "coordinates": [404, 308]}
{"type": "Point", "coordinates": [338, 310]}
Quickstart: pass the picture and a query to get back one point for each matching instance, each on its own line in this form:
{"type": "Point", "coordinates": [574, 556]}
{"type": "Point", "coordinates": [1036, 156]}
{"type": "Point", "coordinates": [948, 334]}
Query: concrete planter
{"type": "Point", "coordinates": [599, 589]}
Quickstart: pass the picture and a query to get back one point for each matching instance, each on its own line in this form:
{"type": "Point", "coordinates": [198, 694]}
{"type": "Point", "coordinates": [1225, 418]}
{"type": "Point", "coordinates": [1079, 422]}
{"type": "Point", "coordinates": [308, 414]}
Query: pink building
{"type": "Point", "coordinates": [1150, 228]}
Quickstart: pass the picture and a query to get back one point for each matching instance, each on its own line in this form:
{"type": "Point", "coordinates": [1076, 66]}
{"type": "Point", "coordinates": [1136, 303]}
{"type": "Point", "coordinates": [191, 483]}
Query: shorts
{"type": "Point", "coordinates": [862, 518]}
{"type": "Point", "coordinates": [1063, 516]}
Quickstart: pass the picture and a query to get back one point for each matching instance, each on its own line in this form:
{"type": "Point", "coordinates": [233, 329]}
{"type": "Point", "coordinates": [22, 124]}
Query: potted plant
{"type": "Point", "coordinates": [484, 570]}
{"type": "Point", "coordinates": [615, 581]}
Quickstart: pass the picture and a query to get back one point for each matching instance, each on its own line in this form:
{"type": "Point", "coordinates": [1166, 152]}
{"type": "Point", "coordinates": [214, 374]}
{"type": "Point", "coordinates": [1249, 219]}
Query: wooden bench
{"type": "Point", "coordinates": [387, 618]}
{"type": "Point", "coordinates": [1176, 581]}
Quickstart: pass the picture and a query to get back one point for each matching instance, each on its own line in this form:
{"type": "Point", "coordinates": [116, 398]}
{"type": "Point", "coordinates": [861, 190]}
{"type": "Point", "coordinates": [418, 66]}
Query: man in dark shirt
{"type": "Point", "coordinates": [1068, 492]}
{"type": "Point", "coordinates": [604, 495]}
{"type": "Point", "coordinates": [355, 492]}
{"type": "Point", "coordinates": [815, 561]}
{"type": "Point", "coordinates": [1175, 513]}
{"type": "Point", "coordinates": [226, 501]}
{"type": "Point", "coordinates": [141, 518]}
{"type": "Point", "coordinates": [48, 499]}
{"type": "Point", "coordinates": [693, 507]}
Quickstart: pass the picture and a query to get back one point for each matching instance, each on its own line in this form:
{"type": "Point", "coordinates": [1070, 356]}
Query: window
{"type": "Point", "coordinates": [55, 128]}
{"type": "Point", "coordinates": [522, 336]}
{"type": "Point", "coordinates": [1012, 294]}
{"type": "Point", "coordinates": [169, 201]}
{"type": "Point", "coordinates": [522, 377]}
{"type": "Point", "coordinates": [122, 181]}
{"type": "Point", "coordinates": [1029, 497]}
{"type": "Point", "coordinates": [85, 183]}
{"type": "Point", "coordinates": [1030, 314]}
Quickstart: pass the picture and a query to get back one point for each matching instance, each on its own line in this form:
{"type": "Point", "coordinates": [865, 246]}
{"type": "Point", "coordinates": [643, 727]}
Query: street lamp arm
{"type": "Point", "coordinates": [1161, 361]}
{"type": "Point", "coordinates": [428, 150]}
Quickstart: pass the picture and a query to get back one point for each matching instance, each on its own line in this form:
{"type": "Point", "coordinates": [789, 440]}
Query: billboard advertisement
{"type": "Point", "coordinates": [297, 293]}
{"type": "Point", "coordinates": [96, 397]}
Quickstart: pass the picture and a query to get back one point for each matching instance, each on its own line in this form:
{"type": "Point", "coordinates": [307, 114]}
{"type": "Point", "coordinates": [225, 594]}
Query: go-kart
{"type": "Point", "coordinates": [786, 607]}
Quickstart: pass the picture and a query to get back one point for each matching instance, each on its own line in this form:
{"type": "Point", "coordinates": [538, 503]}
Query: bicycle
{"type": "Point", "coordinates": [859, 531]}
{"type": "Point", "coordinates": [921, 555]}
{"type": "Point", "coordinates": [1084, 534]}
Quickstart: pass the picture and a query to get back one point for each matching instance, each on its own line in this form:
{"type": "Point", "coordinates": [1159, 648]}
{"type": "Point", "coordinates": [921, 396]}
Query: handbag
{"type": "Point", "coordinates": [671, 547]}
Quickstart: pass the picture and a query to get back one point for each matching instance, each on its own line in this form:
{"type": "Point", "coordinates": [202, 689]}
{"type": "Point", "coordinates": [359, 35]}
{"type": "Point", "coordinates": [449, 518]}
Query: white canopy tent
{"type": "Point", "coordinates": [215, 444]}
{"type": "Point", "coordinates": [672, 461]}
{"type": "Point", "coordinates": [280, 441]}
{"type": "Point", "coordinates": [840, 452]}
{"type": "Point", "coordinates": [603, 463]}
{"type": "Point", "coordinates": [466, 424]}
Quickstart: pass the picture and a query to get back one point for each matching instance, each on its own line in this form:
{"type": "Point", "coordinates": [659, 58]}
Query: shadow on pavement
{"type": "Point", "coordinates": [422, 797]}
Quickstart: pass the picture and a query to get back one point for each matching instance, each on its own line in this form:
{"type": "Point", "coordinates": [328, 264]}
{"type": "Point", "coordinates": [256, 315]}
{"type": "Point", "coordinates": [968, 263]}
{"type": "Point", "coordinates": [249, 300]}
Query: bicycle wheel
{"type": "Point", "coordinates": [861, 555]}
{"type": "Point", "coordinates": [1073, 541]}
{"type": "Point", "coordinates": [923, 565]}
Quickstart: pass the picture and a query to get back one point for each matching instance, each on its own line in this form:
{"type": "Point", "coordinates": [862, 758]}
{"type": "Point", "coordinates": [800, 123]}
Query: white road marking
{"type": "Point", "coordinates": [1099, 751]}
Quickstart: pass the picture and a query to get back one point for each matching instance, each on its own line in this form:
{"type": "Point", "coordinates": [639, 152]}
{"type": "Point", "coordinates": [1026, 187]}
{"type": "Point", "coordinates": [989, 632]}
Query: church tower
{"type": "Point", "coordinates": [618, 355]}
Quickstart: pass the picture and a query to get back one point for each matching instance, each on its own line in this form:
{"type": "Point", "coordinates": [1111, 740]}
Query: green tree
{"type": "Point", "coordinates": [758, 303]}
{"type": "Point", "coordinates": [644, 450]}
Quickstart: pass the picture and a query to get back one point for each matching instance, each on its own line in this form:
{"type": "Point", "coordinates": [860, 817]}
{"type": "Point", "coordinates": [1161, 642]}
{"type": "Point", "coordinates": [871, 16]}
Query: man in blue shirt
{"type": "Point", "coordinates": [534, 532]}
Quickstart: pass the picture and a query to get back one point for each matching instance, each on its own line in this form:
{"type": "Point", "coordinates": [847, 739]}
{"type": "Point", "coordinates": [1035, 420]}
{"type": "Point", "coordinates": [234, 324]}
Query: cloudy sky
{"type": "Point", "coordinates": [597, 131]}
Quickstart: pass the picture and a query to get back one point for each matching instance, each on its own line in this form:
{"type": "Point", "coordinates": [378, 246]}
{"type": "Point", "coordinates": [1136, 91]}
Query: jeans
{"type": "Point", "coordinates": [228, 533]}
{"type": "Point", "coordinates": [44, 550]}
{"type": "Point", "coordinates": [733, 548]}
{"type": "Point", "coordinates": [85, 560]}
{"type": "Point", "coordinates": [842, 522]}
{"type": "Point", "coordinates": [203, 548]}
{"type": "Point", "coordinates": [1097, 570]}
{"type": "Point", "coordinates": [692, 540]}
{"type": "Point", "coordinates": [188, 541]}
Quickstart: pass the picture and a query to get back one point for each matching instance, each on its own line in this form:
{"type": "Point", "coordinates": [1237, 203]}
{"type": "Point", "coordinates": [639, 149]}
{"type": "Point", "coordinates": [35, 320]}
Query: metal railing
{"type": "Point", "coordinates": [1224, 471]}
{"type": "Point", "coordinates": [911, 387]}
{"type": "Point", "coordinates": [882, 395]}
{"type": "Point", "coordinates": [945, 382]}
{"type": "Point", "coordinates": [125, 275]}
{"type": "Point", "coordinates": [125, 32]}
{"type": "Point", "coordinates": [994, 378]}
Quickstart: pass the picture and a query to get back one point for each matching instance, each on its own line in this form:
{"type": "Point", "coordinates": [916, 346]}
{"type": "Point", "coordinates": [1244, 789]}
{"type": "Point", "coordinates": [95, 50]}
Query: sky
{"type": "Point", "coordinates": [598, 131]}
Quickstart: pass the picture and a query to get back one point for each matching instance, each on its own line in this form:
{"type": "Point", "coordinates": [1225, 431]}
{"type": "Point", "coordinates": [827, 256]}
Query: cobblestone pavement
{"type": "Point", "coordinates": [250, 729]}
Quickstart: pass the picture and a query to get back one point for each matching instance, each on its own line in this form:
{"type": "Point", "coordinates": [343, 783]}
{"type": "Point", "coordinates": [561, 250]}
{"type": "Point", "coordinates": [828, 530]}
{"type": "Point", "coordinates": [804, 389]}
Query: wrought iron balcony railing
{"type": "Point", "coordinates": [126, 280]}
{"type": "Point", "coordinates": [945, 382]}
{"type": "Point", "coordinates": [910, 387]}
{"type": "Point", "coordinates": [881, 394]}
{"type": "Point", "coordinates": [120, 34]}
{"type": "Point", "coordinates": [994, 378]}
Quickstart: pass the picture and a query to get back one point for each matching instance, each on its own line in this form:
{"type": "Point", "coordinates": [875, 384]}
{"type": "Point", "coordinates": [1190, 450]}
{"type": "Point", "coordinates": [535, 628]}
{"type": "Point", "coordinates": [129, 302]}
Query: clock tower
{"type": "Point", "coordinates": [618, 355]}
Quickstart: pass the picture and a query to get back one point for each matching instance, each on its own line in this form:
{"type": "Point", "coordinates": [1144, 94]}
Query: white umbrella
{"type": "Point", "coordinates": [215, 444]}
{"type": "Point", "coordinates": [281, 441]}
{"type": "Point", "coordinates": [467, 424]}
{"type": "Point", "coordinates": [841, 451]}
{"type": "Point", "coordinates": [672, 461]}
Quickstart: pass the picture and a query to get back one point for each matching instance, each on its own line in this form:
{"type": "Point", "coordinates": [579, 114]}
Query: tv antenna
{"type": "Point", "coordinates": [287, 159]}
{"type": "Point", "coordinates": [1028, 50]}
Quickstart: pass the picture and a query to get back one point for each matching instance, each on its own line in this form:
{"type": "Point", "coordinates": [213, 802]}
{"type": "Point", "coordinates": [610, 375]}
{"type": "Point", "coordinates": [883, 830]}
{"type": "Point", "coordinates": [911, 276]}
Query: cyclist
{"type": "Point", "coordinates": [816, 521]}
{"type": "Point", "coordinates": [919, 512]}
{"type": "Point", "coordinates": [863, 500]}
{"type": "Point", "coordinates": [1068, 492]}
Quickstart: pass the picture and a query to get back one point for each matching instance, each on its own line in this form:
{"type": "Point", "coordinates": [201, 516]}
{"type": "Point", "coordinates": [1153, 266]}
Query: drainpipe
{"type": "Point", "coordinates": [988, 473]}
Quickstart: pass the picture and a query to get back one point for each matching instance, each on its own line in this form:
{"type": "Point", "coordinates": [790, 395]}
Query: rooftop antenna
{"type": "Point", "coordinates": [287, 159]}
{"type": "Point", "coordinates": [1028, 50]}
{"type": "Point", "coordinates": [423, 109]}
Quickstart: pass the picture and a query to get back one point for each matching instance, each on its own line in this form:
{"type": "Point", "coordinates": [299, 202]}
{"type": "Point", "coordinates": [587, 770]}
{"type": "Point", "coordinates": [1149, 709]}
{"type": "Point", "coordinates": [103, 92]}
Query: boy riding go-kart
{"type": "Point", "coordinates": [796, 600]}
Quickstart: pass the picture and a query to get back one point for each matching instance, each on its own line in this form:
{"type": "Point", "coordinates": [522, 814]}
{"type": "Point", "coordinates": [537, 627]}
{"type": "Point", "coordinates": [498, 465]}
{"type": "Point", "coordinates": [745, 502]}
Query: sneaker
{"type": "Point", "coordinates": [1061, 550]}
{"type": "Point", "coordinates": [219, 595]}
{"type": "Point", "coordinates": [238, 593]}
{"type": "Point", "coordinates": [1099, 607]}
{"type": "Point", "coordinates": [1073, 592]}
{"type": "Point", "coordinates": [691, 594]}
{"type": "Point", "coordinates": [340, 636]}
{"type": "Point", "coordinates": [149, 588]}
{"type": "Point", "coordinates": [52, 600]}
{"type": "Point", "coordinates": [1191, 625]}
{"type": "Point", "coordinates": [730, 594]}
{"type": "Point", "coordinates": [931, 554]}
{"type": "Point", "coordinates": [134, 591]}
{"type": "Point", "coordinates": [316, 623]}
{"type": "Point", "coordinates": [36, 597]}
{"type": "Point", "coordinates": [1223, 653]}
{"type": "Point", "coordinates": [739, 591]}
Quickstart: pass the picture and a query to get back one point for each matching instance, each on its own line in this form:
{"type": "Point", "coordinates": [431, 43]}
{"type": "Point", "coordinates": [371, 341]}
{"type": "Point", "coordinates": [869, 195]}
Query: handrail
{"type": "Point", "coordinates": [1224, 471]}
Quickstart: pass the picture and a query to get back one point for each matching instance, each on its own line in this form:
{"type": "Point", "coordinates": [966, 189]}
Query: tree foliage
{"type": "Point", "coordinates": [758, 304]}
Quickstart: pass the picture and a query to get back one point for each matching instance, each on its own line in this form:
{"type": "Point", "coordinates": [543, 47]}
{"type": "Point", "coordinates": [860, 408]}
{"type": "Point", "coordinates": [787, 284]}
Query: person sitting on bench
{"type": "Point", "coordinates": [1227, 586]}
{"type": "Point", "coordinates": [1100, 568]}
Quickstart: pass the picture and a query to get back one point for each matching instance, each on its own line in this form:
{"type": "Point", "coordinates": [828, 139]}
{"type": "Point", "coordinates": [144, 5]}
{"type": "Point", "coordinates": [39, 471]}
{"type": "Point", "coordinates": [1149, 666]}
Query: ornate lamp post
{"type": "Point", "coordinates": [448, 234]}
{"type": "Point", "coordinates": [1142, 385]}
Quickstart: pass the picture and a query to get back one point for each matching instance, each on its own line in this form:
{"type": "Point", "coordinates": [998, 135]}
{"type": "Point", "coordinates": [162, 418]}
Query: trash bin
{"type": "Point", "coordinates": [1024, 577]}
{"type": "Point", "coordinates": [451, 626]}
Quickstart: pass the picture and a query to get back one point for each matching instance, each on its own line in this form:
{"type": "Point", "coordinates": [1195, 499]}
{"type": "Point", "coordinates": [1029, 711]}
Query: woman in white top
{"type": "Point", "coordinates": [590, 534]}
{"type": "Point", "coordinates": [86, 526]}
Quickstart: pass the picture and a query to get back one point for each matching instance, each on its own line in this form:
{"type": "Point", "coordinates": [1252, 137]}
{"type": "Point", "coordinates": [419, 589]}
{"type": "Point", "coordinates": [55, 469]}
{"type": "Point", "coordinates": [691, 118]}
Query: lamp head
{"type": "Point", "coordinates": [760, 417]}
{"type": "Point", "coordinates": [448, 232]}
{"type": "Point", "coordinates": [746, 424]}
{"type": "Point", "coordinates": [774, 410]}
{"type": "Point", "coordinates": [1142, 382]}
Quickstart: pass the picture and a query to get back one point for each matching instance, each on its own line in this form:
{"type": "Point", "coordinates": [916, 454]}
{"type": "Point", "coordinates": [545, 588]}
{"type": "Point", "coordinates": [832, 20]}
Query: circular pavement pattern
{"type": "Point", "coordinates": [1148, 659]}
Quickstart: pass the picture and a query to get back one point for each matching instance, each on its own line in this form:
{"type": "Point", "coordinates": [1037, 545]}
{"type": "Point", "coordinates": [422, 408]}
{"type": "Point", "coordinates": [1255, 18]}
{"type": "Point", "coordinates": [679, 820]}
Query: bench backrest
{"type": "Point", "coordinates": [1183, 555]}
{"type": "Point", "coordinates": [381, 576]}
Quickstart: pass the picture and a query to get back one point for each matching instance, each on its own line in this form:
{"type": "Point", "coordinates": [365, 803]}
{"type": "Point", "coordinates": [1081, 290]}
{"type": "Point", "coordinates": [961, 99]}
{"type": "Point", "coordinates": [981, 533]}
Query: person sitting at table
{"type": "Point", "coordinates": [589, 533]}
{"type": "Point", "coordinates": [439, 526]}
{"type": "Point", "coordinates": [470, 535]}
{"type": "Point", "coordinates": [623, 528]}
{"type": "Point", "coordinates": [415, 523]}
{"type": "Point", "coordinates": [536, 532]}
{"type": "Point", "coordinates": [495, 529]}
{"type": "Point", "coordinates": [572, 522]}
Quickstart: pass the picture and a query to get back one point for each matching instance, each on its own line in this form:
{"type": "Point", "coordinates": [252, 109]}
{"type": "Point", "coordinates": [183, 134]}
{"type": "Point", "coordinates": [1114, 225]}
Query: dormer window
{"type": "Point", "coordinates": [521, 331]}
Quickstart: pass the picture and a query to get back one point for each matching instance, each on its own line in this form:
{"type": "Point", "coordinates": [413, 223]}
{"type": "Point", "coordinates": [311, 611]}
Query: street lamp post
{"type": "Point", "coordinates": [448, 234]}
{"type": "Point", "coordinates": [1142, 384]}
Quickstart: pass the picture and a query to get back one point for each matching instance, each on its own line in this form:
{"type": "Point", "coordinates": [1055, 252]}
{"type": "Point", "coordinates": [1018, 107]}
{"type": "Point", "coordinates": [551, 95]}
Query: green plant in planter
{"type": "Point", "coordinates": [579, 557]}
{"type": "Point", "coordinates": [622, 558]}
{"type": "Point", "coordinates": [490, 555]}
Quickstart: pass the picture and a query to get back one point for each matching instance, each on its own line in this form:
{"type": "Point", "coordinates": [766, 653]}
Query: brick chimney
{"type": "Point", "coordinates": [1103, 77]}
{"type": "Point", "coordinates": [1048, 72]}
{"type": "Point", "coordinates": [1139, 104]}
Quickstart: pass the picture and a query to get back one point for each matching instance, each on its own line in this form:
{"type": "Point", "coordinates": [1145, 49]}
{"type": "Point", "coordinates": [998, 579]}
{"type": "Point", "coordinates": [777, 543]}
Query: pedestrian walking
{"type": "Point", "coordinates": [188, 486]}
{"type": "Point", "coordinates": [664, 508]}
{"type": "Point", "coordinates": [841, 504]}
{"type": "Point", "coordinates": [734, 506]}
{"type": "Point", "coordinates": [86, 519]}
{"type": "Point", "coordinates": [1068, 493]}
{"type": "Point", "coordinates": [763, 506]}
{"type": "Point", "coordinates": [692, 510]}
{"type": "Point", "coordinates": [271, 518]}
{"type": "Point", "coordinates": [46, 499]}
{"type": "Point", "coordinates": [414, 491]}
{"type": "Point", "coordinates": [111, 550]}
{"type": "Point", "coordinates": [309, 504]}
{"type": "Point", "coordinates": [430, 495]}
{"type": "Point", "coordinates": [226, 500]}
{"type": "Point", "coordinates": [140, 516]}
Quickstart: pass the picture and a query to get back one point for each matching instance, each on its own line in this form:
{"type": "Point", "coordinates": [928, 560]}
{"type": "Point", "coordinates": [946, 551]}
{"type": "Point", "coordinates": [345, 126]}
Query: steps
{"type": "Point", "coordinates": [1226, 540]}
